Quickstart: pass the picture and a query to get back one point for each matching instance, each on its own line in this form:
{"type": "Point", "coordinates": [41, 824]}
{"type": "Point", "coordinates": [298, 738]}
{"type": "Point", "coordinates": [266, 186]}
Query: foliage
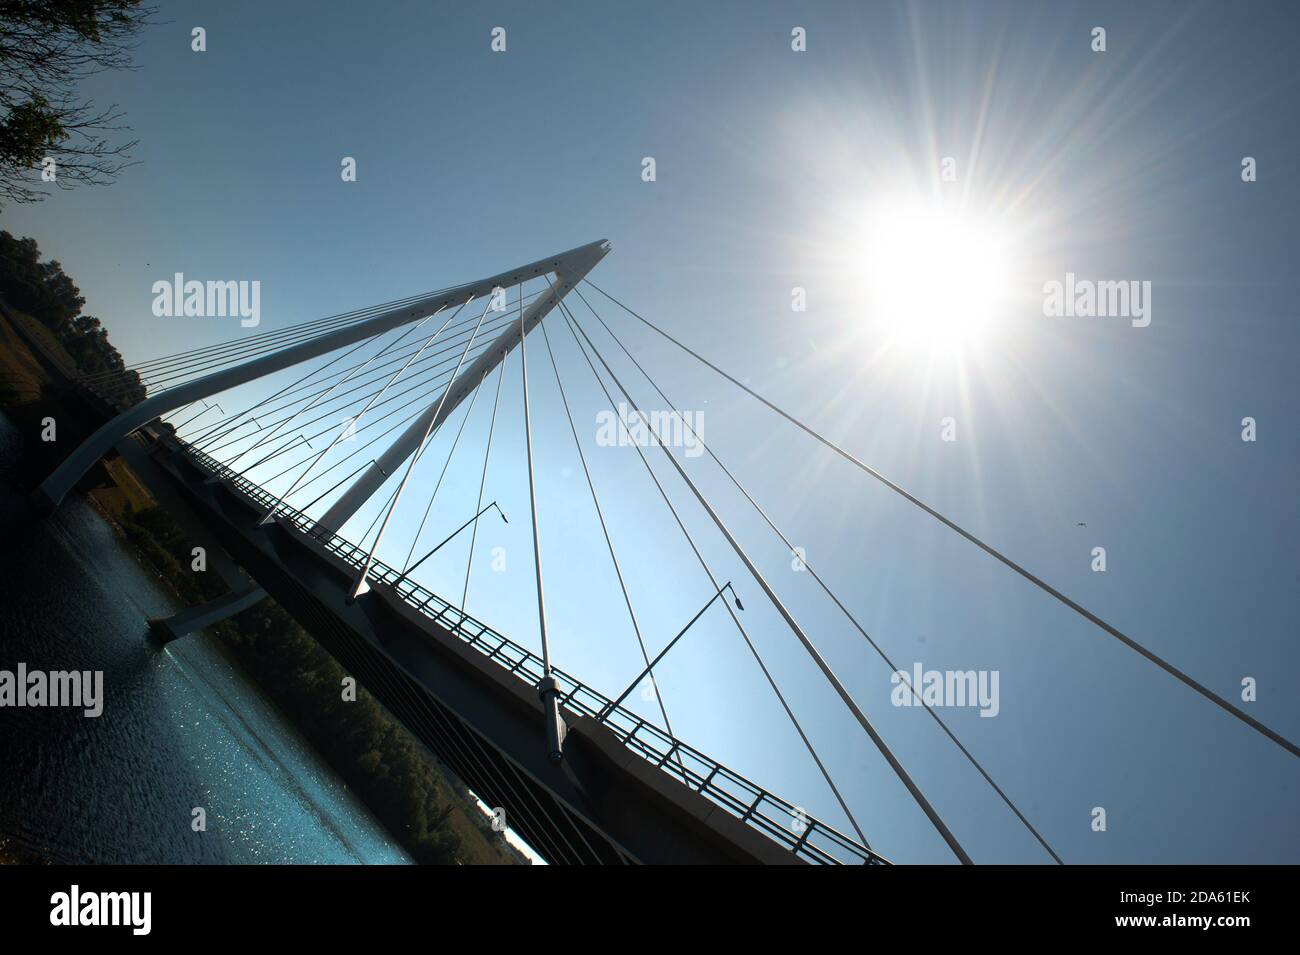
{"type": "Point", "coordinates": [44, 291]}
{"type": "Point", "coordinates": [47, 49]}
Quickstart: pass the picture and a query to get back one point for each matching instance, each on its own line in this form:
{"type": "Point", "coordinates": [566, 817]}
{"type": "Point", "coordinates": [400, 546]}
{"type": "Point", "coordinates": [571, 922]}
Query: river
{"type": "Point", "coordinates": [181, 727]}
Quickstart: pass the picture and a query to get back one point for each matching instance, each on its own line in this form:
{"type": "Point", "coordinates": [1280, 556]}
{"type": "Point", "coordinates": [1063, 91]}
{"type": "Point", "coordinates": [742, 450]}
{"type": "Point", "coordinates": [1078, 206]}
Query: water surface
{"type": "Point", "coordinates": [181, 726]}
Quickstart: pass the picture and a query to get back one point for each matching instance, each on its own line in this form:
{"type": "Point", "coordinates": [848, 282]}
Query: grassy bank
{"type": "Point", "coordinates": [371, 751]}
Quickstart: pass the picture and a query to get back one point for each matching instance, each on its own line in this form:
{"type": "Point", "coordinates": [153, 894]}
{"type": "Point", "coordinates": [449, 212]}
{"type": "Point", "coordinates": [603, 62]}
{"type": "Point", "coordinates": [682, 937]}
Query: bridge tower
{"type": "Point", "coordinates": [568, 268]}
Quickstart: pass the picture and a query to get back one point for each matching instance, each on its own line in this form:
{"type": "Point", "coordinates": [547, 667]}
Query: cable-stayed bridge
{"type": "Point", "coordinates": [345, 410]}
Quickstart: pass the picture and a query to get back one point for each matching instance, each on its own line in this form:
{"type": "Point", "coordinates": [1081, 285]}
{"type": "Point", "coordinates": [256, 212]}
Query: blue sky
{"type": "Point", "coordinates": [1115, 165]}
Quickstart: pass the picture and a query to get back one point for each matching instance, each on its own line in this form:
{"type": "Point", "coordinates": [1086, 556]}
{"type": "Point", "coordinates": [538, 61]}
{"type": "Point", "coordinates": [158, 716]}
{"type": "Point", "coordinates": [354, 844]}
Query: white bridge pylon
{"type": "Point", "coordinates": [568, 267]}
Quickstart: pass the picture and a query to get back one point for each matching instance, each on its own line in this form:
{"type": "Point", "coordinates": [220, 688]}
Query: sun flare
{"type": "Point", "coordinates": [936, 277]}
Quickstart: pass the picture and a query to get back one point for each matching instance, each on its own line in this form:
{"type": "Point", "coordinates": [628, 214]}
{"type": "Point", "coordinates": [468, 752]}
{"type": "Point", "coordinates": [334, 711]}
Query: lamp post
{"type": "Point", "coordinates": [642, 675]}
{"type": "Point", "coordinates": [450, 536]}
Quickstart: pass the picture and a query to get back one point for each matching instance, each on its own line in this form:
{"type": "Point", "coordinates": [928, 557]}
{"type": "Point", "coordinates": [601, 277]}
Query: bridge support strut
{"type": "Point", "coordinates": [167, 629]}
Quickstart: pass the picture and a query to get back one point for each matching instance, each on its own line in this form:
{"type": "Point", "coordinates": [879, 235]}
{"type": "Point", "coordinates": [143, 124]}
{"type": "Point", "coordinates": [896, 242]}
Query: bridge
{"type": "Point", "coordinates": [582, 776]}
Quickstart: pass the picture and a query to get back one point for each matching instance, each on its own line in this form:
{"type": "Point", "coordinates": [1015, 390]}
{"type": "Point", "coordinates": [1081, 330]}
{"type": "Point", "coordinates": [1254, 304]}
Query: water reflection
{"type": "Point", "coordinates": [181, 727]}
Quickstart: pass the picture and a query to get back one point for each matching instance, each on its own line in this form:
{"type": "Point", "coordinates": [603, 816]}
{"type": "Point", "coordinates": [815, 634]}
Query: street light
{"type": "Point", "coordinates": [642, 675]}
{"type": "Point", "coordinates": [408, 570]}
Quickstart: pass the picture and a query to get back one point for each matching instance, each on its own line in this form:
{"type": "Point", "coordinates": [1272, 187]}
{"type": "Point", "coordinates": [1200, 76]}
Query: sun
{"type": "Point", "coordinates": [937, 277]}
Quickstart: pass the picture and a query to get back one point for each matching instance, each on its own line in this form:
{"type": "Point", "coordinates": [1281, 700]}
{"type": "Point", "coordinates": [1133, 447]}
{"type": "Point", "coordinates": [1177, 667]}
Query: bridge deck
{"type": "Point", "coordinates": [762, 812]}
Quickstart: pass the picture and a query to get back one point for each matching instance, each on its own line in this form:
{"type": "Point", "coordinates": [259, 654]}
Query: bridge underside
{"type": "Point", "coordinates": [603, 804]}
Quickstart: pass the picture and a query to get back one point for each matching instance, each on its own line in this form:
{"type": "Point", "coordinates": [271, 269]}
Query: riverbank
{"type": "Point", "coordinates": [379, 761]}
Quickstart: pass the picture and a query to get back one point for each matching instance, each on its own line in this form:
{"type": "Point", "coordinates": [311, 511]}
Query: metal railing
{"type": "Point", "coordinates": [788, 825]}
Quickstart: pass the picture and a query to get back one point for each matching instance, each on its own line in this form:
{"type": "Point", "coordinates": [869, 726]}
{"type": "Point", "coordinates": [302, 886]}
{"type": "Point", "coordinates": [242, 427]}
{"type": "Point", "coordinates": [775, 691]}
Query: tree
{"type": "Point", "coordinates": [47, 48]}
{"type": "Point", "coordinates": [46, 293]}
